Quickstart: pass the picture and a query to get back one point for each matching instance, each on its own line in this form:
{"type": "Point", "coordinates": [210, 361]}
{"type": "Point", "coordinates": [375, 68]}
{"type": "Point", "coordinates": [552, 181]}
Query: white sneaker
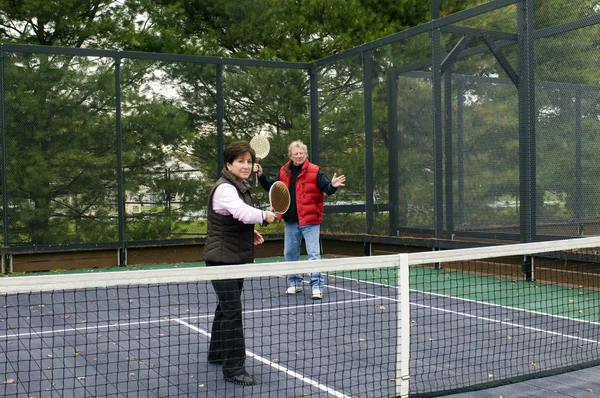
{"type": "Point", "coordinates": [293, 290]}
{"type": "Point", "coordinates": [317, 295]}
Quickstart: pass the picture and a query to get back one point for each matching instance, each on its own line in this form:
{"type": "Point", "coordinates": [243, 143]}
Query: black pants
{"type": "Point", "coordinates": [227, 336]}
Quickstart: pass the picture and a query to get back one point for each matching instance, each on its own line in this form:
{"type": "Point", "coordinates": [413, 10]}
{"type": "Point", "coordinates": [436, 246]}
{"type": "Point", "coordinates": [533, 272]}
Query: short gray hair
{"type": "Point", "coordinates": [297, 143]}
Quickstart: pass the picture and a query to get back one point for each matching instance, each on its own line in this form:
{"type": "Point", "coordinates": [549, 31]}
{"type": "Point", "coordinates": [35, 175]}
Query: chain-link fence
{"type": "Point", "coordinates": [480, 124]}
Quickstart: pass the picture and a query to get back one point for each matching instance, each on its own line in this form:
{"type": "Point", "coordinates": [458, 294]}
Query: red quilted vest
{"type": "Point", "coordinates": [309, 198]}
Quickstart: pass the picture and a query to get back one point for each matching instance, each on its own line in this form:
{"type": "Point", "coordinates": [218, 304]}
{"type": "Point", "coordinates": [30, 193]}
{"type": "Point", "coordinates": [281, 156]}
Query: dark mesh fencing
{"type": "Point", "coordinates": [486, 157]}
{"type": "Point", "coordinates": [567, 131]}
{"type": "Point", "coordinates": [482, 125]}
{"type": "Point", "coordinates": [342, 139]}
{"type": "Point", "coordinates": [60, 149]}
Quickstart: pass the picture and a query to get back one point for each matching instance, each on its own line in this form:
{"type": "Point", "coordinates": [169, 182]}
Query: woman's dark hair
{"type": "Point", "coordinates": [236, 149]}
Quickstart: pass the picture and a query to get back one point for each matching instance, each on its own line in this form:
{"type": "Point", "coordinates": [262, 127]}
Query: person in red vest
{"type": "Point", "coordinates": [308, 185]}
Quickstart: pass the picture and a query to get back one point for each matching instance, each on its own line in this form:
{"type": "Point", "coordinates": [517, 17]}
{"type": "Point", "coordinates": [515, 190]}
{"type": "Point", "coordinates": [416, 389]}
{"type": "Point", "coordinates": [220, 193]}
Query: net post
{"type": "Point", "coordinates": [7, 264]}
{"type": "Point", "coordinates": [527, 268]}
{"type": "Point", "coordinates": [367, 249]}
{"type": "Point", "coordinates": [437, 266]}
{"type": "Point", "coordinates": [403, 349]}
{"type": "Point", "coordinates": [122, 256]}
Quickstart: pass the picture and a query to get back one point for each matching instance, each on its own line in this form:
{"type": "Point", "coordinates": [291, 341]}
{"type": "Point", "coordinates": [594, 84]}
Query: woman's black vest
{"type": "Point", "coordinates": [229, 241]}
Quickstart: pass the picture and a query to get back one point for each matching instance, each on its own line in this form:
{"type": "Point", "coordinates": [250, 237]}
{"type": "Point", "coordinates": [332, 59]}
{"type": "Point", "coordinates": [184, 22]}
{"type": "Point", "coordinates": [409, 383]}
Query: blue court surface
{"type": "Point", "coordinates": [152, 341]}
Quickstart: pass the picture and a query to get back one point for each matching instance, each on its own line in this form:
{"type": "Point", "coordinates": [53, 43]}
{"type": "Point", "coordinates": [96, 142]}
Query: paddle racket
{"type": "Point", "coordinates": [261, 147]}
{"type": "Point", "coordinates": [279, 197]}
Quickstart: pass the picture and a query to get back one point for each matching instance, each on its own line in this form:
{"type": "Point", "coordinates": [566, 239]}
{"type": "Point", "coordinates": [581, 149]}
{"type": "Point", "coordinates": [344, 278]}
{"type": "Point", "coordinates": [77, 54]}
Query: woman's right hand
{"type": "Point", "coordinates": [270, 216]}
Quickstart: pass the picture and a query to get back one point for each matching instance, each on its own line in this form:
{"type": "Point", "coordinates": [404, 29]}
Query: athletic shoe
{"type": "Point", "coordinates": [293, 290]}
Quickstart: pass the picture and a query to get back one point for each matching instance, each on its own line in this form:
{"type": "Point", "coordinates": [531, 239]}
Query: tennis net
{"type": "Point", "coordinates": [418, 324]}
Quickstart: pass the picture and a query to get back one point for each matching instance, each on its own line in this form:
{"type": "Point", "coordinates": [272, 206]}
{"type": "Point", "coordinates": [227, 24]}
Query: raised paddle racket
{"type": "Point", "coordinates": [261, 147]}
{"type": "Point", "coordinates": [279, 197]}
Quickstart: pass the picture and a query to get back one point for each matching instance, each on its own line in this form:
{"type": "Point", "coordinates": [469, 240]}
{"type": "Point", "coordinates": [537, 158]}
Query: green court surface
{"type": "Point", "coordinates": [570, 302]}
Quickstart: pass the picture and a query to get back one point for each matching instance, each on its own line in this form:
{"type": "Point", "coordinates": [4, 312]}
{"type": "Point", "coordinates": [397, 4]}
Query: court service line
{"type": "Point", "coordinates": [293, 307]}
{"type": "Point", "coordinates": [162, 320]}
{"type": "Point", "coordinates": [274, 365]}
{"type": "Point", "coordinates": [568, 336]}
{"type": "Point", "coordinates": [503, 322]}
{"type": "Point", "coordinates": [483, 318]}
{"type": "Point", "coordinates": [84, 328]}
{"type": "Point", "coordinates": [517, 309]}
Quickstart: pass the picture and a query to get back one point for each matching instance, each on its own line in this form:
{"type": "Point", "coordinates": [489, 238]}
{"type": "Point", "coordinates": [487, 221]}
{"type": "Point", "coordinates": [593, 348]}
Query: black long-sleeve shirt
{"type": "Point", "coordinates": [323, 183]}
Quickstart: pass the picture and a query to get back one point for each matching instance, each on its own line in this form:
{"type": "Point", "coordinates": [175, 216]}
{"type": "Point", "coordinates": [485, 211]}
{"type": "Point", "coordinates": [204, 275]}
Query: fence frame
{"type": "Point", "coordinates": [522, 76]}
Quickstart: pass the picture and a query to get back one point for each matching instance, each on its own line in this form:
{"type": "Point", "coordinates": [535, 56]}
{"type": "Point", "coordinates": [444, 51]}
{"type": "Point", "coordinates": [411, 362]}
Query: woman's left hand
{"type": "Point", "coordinates": [258, 238]}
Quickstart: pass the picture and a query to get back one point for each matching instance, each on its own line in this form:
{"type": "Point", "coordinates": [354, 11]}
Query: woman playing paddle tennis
{"type": "Point", "coordinates": [231, 239]}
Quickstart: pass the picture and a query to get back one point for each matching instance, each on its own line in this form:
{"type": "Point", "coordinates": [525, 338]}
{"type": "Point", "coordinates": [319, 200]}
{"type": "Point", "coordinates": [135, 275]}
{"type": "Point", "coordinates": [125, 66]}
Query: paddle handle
{"type": "Point", "coordinates": [256, 175]}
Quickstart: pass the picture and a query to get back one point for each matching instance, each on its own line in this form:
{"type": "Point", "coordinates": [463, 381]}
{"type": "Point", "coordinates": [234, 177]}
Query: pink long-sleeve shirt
{"type": "Point", "coordinates": [226, 201]}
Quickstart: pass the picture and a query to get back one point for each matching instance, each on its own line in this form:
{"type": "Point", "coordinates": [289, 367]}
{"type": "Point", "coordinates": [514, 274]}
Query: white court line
{"type": "Point", "coordinates": [292, 307]}
{"type": "Point", "coordinates": [85, 328]}
{"type": "Point", "coordinates": [128, 324]}
{"type": "Point", "coordinates": [275, 366]}
{"type": "Point", "coordinates": [516, 309]}
{"type": "Point", "coordinates": [483, 318]}
{"type": "Point", "coordinates": [502, 322]}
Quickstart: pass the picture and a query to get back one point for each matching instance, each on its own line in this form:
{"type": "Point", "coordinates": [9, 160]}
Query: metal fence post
{"type": "Point", "coordinates": [527, 157]}
{"type": "Point", "coordinates": [368, 125]}
{"type": "Point", "coordinates": [220, 116]}
{"type": "Point", "coordinates": [122, 260]}
{"type": "Point", "coordinates": [392, 98]}
{"type": "Point", "coordinates": [438, 217]}
{"type": "Point", "coordinates": [4, 153]}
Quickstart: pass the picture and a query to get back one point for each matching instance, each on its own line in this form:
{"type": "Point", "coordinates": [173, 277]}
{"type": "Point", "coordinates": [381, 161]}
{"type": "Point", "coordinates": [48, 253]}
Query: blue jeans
{"type": "Point", "coordinates": [292, 244]}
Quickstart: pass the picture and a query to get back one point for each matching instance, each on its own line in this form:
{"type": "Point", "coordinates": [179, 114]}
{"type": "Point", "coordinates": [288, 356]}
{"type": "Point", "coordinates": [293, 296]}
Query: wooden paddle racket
{"type": "Point", "coordinates": [279, 197]}
{"type": "Point", "coordinates": [261, 147]}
